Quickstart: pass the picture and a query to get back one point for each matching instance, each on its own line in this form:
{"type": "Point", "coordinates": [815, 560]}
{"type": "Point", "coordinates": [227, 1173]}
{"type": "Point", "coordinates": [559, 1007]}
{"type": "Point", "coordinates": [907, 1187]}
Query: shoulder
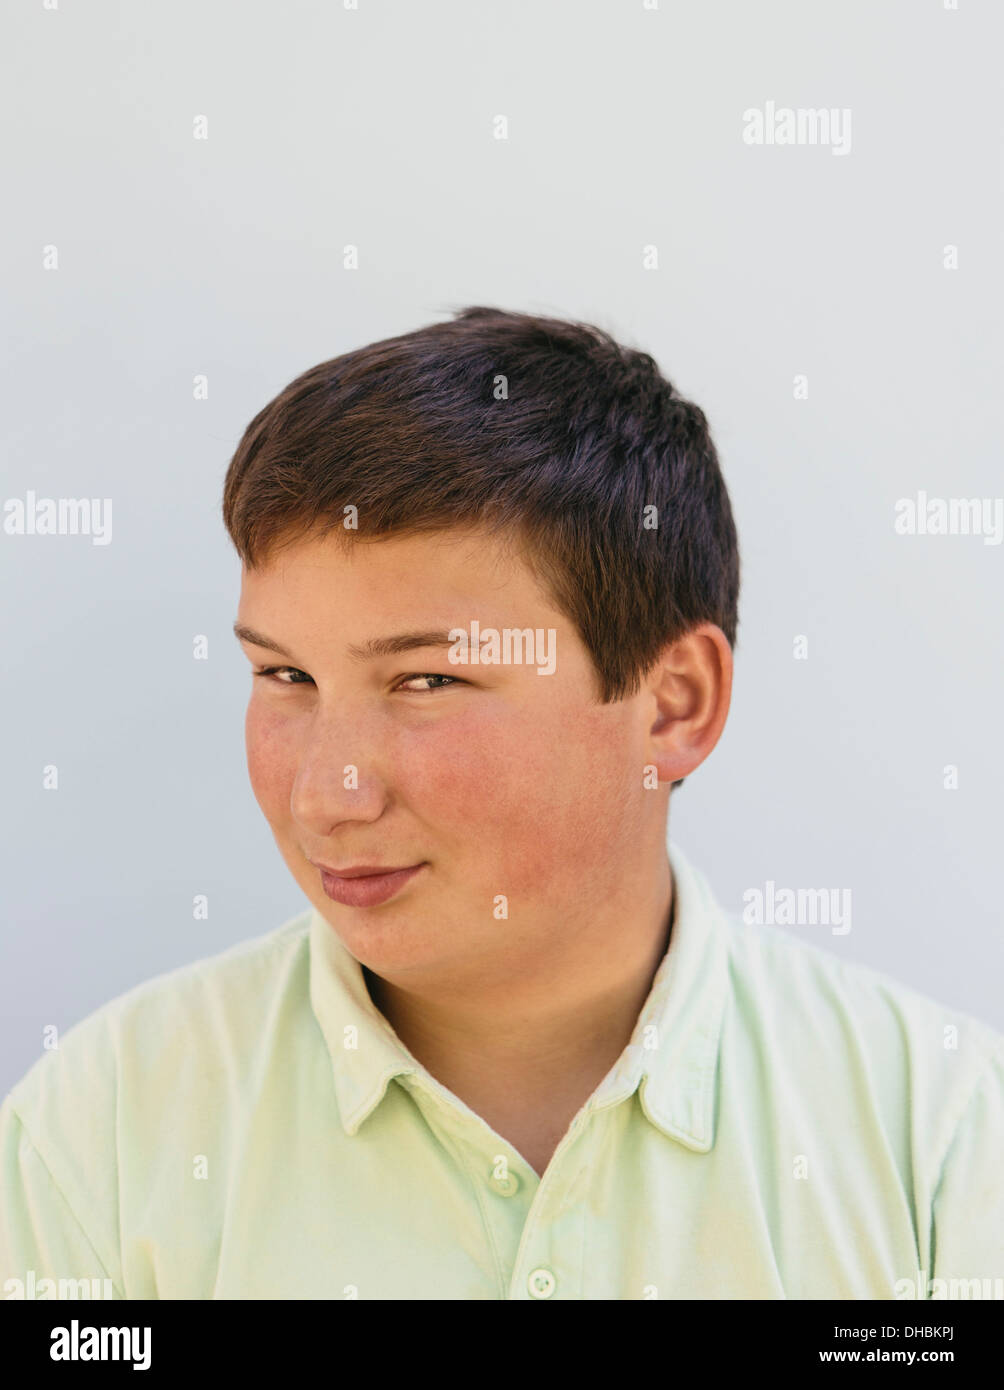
{"type": "Point", "coordinates": [848, 1030]}
{"type": "Point", "coordinates": [177, 1029]}
{"type": "Point", "coordinates": [133, 1092]}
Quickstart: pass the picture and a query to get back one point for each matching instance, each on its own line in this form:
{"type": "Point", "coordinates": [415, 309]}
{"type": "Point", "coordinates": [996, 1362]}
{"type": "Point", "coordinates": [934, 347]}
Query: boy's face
{"type": "Point", "coordinates": [503, 783]}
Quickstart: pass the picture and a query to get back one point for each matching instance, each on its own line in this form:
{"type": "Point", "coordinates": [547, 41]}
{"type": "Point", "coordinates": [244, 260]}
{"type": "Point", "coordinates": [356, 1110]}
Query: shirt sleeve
{"type": "Point", "coordinates": [41, 1237]}
{"type": "Point", "coordinates": [968, 1206]}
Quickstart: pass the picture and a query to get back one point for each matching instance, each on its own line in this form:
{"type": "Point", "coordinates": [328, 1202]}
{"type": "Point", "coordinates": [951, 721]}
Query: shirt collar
{"type": "Point", "coordinates": [672, 1055]}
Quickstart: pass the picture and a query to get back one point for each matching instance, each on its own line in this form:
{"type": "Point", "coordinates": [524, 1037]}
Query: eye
{"type": "Point", "coordinates": [277, 672]}
{"type": "Point", "coordinates": [429, 676]}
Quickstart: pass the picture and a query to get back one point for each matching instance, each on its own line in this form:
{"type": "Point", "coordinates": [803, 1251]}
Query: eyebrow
{"type": "Point", "coordinates": [376, 646]}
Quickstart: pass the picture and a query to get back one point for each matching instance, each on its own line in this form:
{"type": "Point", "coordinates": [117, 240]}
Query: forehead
{"type": "Point", "coordinates": [470, 571]}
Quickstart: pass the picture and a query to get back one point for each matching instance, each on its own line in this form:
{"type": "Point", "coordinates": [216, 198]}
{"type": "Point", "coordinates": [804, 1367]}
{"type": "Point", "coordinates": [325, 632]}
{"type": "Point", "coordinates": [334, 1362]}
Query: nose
{"type": "Point", "coordinates": [337, 778]}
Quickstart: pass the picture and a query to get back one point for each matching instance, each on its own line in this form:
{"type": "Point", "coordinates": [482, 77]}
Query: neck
{"type": "Point", "coordinates": [538, 1034]}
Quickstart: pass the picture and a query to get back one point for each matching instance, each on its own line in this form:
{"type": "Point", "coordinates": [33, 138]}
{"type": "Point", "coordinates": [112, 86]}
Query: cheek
{"type": "Point", "coordinates": [271, 759]}
{"type": "Point", "coordinates": [532, 802]}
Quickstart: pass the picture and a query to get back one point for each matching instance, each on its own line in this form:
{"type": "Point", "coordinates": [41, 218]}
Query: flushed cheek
{"type": "Point", "coordinates": [574, 812]}
{"type": "Point", "coordinates": [516, 809]}
{"type": "Point", "coordinates": [271, 759]}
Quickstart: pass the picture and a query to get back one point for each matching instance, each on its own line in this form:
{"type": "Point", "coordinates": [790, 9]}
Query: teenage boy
{"type": "Point", "coordinates": [514, 1049]}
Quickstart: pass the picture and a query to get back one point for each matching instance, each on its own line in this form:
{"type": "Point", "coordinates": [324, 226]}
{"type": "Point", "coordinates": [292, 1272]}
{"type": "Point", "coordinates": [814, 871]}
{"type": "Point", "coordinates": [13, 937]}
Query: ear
{"type": "Point", "coordinates": [691, 689]}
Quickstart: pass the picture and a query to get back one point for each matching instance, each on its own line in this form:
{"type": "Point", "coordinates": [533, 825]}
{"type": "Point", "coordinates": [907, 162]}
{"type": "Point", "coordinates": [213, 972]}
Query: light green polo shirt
{"type": "Point", "coordinates": [782, 1124]}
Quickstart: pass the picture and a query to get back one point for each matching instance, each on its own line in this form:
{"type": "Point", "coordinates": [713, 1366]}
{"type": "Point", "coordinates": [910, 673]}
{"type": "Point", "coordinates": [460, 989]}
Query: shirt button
{"type": "Point", "coordinates": [541, 1283]}
{"type": "Point", "coordinates": [507, 1186]}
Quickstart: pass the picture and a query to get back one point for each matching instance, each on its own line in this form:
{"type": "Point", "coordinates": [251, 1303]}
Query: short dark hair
{"type": "Point", "coordinates": [546, 431]}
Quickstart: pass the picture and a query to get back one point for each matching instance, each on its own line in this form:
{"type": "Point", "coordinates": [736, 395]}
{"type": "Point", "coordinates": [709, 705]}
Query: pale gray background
{"type": "Point", "coordinates": [373, 127]}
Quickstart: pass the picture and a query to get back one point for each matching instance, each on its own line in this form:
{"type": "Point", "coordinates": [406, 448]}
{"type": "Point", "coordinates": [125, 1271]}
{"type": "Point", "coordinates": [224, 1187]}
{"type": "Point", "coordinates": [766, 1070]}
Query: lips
{"type": "Point", "coordinates": [360, 870]}
{"type": "Point", "coordinates": [365, 885]}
